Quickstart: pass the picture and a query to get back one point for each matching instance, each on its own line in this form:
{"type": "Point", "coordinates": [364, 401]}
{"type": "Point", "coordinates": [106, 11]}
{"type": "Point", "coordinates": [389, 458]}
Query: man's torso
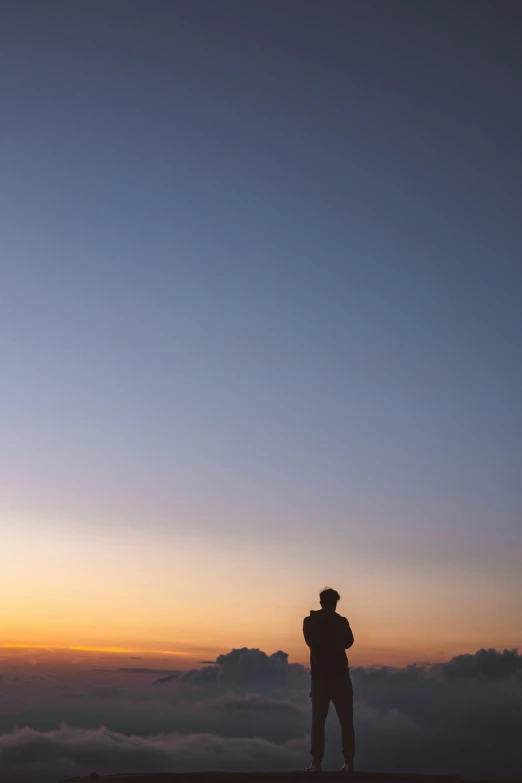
{"type": "Point", "coordinates": [327, 632]}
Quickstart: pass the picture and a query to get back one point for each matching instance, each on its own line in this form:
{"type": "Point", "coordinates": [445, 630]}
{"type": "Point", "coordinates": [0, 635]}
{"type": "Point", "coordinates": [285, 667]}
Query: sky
{"type": "Point", "coordinates": [260, 327]}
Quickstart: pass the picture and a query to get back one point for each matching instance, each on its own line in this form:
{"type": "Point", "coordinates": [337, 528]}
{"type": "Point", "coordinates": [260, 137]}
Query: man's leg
{"type": "Point", "coordinates": [320, 705]}
{"type": "Point", "coordinates": [342, 697]}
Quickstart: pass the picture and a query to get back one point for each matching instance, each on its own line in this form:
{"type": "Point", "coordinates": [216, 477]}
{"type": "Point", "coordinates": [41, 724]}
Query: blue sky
{"type": "Point", "coordinates": [260, 280]}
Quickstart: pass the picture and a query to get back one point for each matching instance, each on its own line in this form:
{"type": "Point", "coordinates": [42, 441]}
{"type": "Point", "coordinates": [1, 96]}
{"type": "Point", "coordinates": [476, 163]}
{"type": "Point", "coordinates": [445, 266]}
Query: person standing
{"type": "Point", "coordinates": [328, 636]}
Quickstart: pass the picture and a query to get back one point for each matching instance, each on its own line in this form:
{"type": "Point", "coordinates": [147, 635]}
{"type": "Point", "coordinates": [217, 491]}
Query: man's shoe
{"type": "Point", "coordinates": [314, 766]}
{"type": "Point", "coordinates": [347, 767]}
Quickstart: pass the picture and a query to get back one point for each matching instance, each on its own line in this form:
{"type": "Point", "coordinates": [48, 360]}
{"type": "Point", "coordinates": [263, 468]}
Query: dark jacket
{"type": "Point", "coordinates": [328, 635]}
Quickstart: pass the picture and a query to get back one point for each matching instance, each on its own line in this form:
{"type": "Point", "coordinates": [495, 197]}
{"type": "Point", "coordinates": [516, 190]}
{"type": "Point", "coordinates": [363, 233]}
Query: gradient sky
{"type": "Point", "coordinates": [261, 323]}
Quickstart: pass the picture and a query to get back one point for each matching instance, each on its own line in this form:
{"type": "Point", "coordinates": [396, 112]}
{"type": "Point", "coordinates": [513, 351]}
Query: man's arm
{"type": "Point", "coordinates": [307, 631]}
{"type": "Point", "coordinates": [348, 635]}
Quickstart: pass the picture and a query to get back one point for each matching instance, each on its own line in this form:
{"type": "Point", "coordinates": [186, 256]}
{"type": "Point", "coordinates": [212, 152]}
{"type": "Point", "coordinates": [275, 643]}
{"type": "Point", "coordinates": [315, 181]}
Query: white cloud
{"type": "Point", "coordinates": [27, 755]}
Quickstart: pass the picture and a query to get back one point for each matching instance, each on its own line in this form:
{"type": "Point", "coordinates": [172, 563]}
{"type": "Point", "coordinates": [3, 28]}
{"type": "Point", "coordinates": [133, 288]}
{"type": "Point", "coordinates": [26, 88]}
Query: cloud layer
{"type": "Point", "coordinates": [252, 711]}
{"type": "Point", "coordinates": [49, 757]}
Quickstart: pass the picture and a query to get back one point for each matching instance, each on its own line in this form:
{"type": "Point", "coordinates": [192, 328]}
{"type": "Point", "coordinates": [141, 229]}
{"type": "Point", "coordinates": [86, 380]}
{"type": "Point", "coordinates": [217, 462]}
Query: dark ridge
{"type": "Point", "coordinates": [272, 777]}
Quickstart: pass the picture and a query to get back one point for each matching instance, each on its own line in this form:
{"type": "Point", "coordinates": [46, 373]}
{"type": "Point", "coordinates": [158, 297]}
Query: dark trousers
{"type": "Point", "coordinates": [339, 691]}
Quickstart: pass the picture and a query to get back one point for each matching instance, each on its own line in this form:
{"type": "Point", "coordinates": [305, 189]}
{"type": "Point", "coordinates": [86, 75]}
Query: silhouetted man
{"type": "Point", "coordinates": [328, 636]}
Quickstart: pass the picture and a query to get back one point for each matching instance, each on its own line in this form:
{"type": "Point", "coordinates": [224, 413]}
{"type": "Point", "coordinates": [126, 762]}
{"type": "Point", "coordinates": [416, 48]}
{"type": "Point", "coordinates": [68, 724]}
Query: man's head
{"type": "Point", "coordinates": [328, 598]}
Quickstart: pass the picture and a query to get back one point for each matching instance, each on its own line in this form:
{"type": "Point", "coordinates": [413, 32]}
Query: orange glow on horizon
{"type": "Point", "coordinates": [136, 606]}
{"type": "Point", "coordinates": [81, 648]}
{"type": "Point", "coordinates": [30, 646]}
